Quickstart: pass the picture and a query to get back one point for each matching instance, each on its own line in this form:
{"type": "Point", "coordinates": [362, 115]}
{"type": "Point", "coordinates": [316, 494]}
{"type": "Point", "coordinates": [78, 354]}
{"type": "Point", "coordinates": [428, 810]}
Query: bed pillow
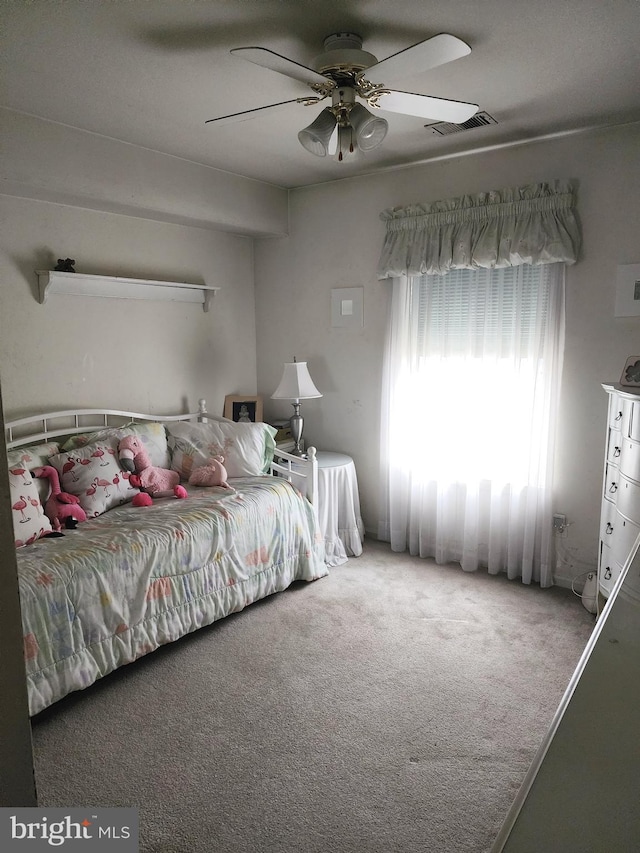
{"type": "Point", "coordinates": [29, 520]}
{"type": "Point", "coordinates": [153, 435]}
{"type": "Point", "coordinates": [31, 457]}
{"type": "Point", "coordinates": [247, 448]}
{"type": "Point", "coordinates": [93, 473]}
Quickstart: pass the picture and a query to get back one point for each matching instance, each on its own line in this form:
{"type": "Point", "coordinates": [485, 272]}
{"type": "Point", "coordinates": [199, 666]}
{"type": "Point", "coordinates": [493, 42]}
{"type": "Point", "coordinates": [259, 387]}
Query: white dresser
{"type": "Point", "coordinates": [620, 518]}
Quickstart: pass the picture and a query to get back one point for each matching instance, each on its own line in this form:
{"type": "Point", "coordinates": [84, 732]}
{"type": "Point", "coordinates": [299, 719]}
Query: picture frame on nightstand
{"type": "Point", "coordinates": [243, 408]}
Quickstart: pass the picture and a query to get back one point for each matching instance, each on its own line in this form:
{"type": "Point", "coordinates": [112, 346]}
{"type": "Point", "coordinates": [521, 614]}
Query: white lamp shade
{"type": "Point", "coordinates": [296, 383]}
{"type": "Point", "coordinates": [370, 129]}
{"type": "Point", "coordinates": [315, 138]}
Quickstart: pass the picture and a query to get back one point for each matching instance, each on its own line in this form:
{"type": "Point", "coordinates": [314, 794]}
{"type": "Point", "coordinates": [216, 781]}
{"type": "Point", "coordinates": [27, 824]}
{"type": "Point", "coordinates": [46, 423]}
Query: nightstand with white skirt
{"type": "Point", "coordinates": [339, 507]}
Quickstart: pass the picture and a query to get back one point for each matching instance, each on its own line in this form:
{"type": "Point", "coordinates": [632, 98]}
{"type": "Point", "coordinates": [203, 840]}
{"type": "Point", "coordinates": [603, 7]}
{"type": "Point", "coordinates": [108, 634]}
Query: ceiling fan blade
{"type": "Point", "coordinates": [232, 118]}
{"type": "Point", "coordinates": [425, 106]}
{"type": "Point", "coordinates": [274, 62]}
{"type": "Point", "coordinates": [418, 58]}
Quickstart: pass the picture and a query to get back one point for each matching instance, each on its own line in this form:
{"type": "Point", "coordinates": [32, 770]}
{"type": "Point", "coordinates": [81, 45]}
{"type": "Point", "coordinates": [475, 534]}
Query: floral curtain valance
{"type": "Point", "coordinates": [534, 224]}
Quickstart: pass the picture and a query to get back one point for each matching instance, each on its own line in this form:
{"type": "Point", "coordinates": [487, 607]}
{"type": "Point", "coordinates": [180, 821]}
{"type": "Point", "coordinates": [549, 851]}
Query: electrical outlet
{"type": "Point", "coordinates": [559, 522]}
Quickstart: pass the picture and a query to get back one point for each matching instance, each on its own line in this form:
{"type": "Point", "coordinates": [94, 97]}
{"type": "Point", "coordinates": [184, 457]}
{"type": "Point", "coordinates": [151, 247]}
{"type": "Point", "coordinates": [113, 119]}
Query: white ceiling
{"type": "Point", "coordinates": [150, 72]}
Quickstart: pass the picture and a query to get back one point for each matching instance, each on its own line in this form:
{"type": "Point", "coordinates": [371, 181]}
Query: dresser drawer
{"type": "Point", "coordinates": [614, 446]}
{"type": "Point", "coordinates": [616, 413]}
{"type": "Point", "coordinates": [608, 573]}
{"type": "Point", "coordinates": [622, 538]}
{"type": "Point", "coordinates": [627, 497]}
{"type": "Point", "coordinates": [607, 522]}
{"type": "Point", "coordinates": [611, 482]}
{"type": "Point", "coordinates": [629, 459]}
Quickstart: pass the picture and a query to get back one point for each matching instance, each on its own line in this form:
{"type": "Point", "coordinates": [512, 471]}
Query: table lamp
{"type": "Point", "coordinates": [296, 384]}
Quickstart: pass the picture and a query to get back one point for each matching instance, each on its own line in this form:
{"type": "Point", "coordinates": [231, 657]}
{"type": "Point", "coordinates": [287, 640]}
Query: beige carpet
{"type": "Point", "coordinates": [392, 706]}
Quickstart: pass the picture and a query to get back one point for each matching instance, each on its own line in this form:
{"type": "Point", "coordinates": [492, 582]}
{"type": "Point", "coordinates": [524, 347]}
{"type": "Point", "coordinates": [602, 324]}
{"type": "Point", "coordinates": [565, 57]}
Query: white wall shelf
{"type": "Point", "coordinates": [79, 284]}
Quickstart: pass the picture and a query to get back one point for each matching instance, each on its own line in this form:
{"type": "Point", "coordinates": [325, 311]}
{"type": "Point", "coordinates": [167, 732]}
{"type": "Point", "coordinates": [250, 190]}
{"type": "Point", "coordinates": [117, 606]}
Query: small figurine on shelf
{"type": "Point", "coordinates": [65, 265]}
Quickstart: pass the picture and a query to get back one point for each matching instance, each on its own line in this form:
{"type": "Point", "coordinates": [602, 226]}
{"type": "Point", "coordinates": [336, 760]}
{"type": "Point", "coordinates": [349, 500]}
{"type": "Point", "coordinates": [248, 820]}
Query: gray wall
{"type": "Point", "coordinates": [126, 211]}
{"type": "Point", "coordinates": [149, 356]}
{"type": "Point", "coordinates": [334, 241]}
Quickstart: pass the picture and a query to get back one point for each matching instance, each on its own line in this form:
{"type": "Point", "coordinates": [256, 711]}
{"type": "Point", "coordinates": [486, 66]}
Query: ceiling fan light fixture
{"type": "Point", "coordinates": [315, 138]}
{"type": "Point", "coordinates": [369, 129]}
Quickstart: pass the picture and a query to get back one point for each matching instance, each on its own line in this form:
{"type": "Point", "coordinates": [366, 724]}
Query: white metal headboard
{"type": "Point", "coordinates": [52, 425]}
{"type": "Point", "coordinates": [49, 426]}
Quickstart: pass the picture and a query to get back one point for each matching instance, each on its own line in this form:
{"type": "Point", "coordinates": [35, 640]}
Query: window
{"type": "Point", "coordinates": [473, 371]}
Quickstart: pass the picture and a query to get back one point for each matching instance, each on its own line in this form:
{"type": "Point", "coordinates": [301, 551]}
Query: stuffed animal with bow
{"type": "Point", "coordinates": [212, 473]}
{"type": "Point", "coordinates": [155, 482]}
{"type": "Point", "coordinates": [61, 508]}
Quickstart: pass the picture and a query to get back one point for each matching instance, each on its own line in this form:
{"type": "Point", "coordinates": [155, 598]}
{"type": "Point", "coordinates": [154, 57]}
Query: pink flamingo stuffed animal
{"type": "Point", "coordinates": [60, 507]}
{"type": "Point", "coordinates": [156, 482]}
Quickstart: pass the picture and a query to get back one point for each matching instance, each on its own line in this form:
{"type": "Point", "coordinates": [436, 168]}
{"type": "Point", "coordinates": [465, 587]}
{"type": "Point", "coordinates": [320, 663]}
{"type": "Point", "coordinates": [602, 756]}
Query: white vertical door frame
{"type": "Point", "coordinates": [17, 775]}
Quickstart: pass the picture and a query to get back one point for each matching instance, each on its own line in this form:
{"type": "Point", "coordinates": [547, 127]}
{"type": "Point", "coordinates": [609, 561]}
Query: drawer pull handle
{"type": "Point", "coordinates": [616, 452]}
{"type": "Point", "coordinates": [613, 487]}
{"type": "Point", "coordinates": [619, 416]}
{"type": "Point", "coordinates": [609, 527]}
{"type": "Point", "coordinates": [607, 573]}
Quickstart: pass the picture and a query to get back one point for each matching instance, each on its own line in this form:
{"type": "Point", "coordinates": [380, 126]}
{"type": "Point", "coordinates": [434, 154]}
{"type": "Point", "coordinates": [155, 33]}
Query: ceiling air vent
{"type": "Point", "coordinates": [444, 128]}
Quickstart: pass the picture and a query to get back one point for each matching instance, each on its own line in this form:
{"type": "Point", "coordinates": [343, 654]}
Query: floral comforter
{"type": "Point", "coordinates": [125, 583]}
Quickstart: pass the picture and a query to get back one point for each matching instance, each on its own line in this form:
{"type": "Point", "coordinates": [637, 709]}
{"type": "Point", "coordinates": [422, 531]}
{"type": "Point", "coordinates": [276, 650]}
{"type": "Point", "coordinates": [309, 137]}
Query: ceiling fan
{"type": "Point", "coordinates": [344, 72]}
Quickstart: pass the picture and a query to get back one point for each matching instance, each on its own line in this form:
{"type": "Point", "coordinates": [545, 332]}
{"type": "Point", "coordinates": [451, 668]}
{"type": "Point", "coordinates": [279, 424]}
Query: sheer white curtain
{"type": "Point", "coordinates": [470, 395]}
{"type": "Point", "coordinates": [469, 406]}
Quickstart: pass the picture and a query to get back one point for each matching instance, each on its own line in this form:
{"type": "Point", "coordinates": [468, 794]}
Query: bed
{"type": "Point", "coordinates": [129, 579]}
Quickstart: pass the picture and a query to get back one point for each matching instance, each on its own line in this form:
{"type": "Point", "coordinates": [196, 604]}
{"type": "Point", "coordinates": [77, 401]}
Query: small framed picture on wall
{"type": "Point", "coordinates": [243, 409]}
